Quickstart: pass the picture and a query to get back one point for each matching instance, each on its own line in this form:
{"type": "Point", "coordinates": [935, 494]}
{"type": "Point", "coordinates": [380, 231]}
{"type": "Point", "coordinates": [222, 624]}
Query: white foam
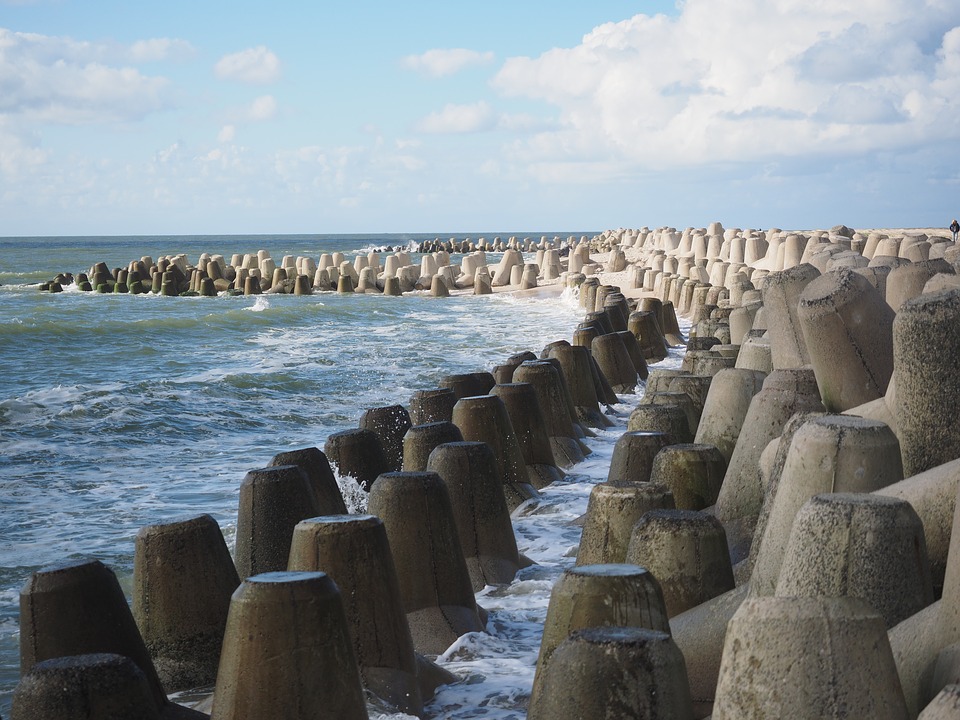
{"type": "Point", "coordinates": [259, 305]}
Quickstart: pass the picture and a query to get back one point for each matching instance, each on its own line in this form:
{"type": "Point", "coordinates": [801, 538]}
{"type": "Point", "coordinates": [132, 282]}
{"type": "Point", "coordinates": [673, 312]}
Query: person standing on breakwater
{"type": "Point", "coordinates": [955, 228]}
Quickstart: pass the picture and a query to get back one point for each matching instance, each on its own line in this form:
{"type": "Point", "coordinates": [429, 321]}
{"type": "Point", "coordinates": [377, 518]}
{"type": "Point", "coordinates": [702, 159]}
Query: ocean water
{"type": "Point", "coordinates": [120, 411]}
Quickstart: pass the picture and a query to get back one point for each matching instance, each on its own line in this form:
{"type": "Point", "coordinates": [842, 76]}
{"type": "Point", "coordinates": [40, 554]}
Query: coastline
{"type": "Point", "coordinates": [459, 655]}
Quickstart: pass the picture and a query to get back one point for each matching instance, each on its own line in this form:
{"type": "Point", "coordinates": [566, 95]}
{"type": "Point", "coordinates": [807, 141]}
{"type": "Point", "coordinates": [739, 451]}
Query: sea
{"type": "Point", "coordinates": [120, 411]}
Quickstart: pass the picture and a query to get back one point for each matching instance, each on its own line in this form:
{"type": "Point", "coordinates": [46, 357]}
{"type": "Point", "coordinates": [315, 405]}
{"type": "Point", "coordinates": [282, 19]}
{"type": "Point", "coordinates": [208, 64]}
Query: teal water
{"type": "Point", "coordinates": [118, 411]}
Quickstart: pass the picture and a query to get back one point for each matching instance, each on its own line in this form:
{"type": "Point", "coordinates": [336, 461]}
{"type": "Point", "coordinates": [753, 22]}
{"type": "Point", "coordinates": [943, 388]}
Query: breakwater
{"type": "Point", "coordinates": [812, 351]}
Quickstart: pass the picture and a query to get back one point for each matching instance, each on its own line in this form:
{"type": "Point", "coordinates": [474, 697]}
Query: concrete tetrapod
{"type": "Point", "coordinates": [435, 585]}
{"type": "Point", "coordinates": [577, 365]}
{"type": "Point", "coordinates": [601, 384]}
{"type": "Point", "coordinates": [906, 281]}
{"type": "Point", "coordinates": [921, 641]}
{"type": "Point", "coordinates": [784, 393]}
{"type": "Point", "coordinates": [287, 652]}
{"type": "Point", "coordinates": [687, 552]}
{"type": "Point", "coordinates": [420, 440]}
{"type": "Point", "coordinates": [831, 453]}
{"type": "Point", "coordinates": [699, 633]}
{"type": "Point", "coordinates": [671, 420]}
{"type": "Point", "coordinates": [97, 686]}
{"type": "Point", "coordinates": [319, 474]}
{"type": "Point", "coordinates": [357, 453]}
{"type": "Point", "coordinates": [582, 431]}
{"type": "Point", "coordinates": [598, 596]}
{"type": "Point", "coordinates": [353, 551]}
{"type": "Point", "coordinates": [680, 399]}
{"type": "Point", "coordinates": [671, 328]}
{"type": "Point", "coordinates": [660, 379]}
{"type": "Point", "coordinates": [926, 340]}
{"type": "Point", "coordinates": [484, 419]}
{"type": "Point", "coordinates": [807, 658]}
{"type": "Point", "coordinates": [755, 353]}
{"type": "Point", "coordinates": [725, 408]}
{"type": "Point", "coordinates": [615, 363]}
{"type": "Point", "coordinates": [469, 384]}
{"type": "Point", "coordinates": [781, 295]}
{"type": "Point", "coordinates": [692, 472]}
{"type": "Point", "coordinates": [859, 545]}
{"type": "Point", "coordinates": [612, 511]}
{"type": "Point", "coordinates": [772, 479]}
{"type": "Point", "coordinates": [696, 387]}
{"type": "Point", "coordinates": [545, 379]}
{"type": "Point", "coordinates": [633, 455]}
{"type": "Point", "coordinates": [272, 501]}
{"type": "Point", "coordinates": [635, 352]}
{"type": "Point", "coordinates": [585, 333]}
{"type": "Point", "coordinates": [504, 373]}
{"type": "Point", "coordinates": [530, 427]}
{"type": "Point", "coordinates": [945, 706]}
{"type": "Point", "coordinates": [78, 608]}
{"type": "Point", "coordinates": [469, 470]}
{"type": "Point", "coordinates": [848, 331]}
{"type": "Point", "coordinates": [614, 672]}
{"type": "Point", "coordinates": [646, 328]}
{"type": "Point", "coordinates": [183, 577]}
{"type": "Point", "coordinates": [390, 424]}
{"type": "Point", "coordinates": [617, 309]}
{"type": "Point", "coordinates": [932, 494]}
{"type": "Point", "coordinates": [428, 406]}
{"type": "Point", "coordinates": [706, 362]}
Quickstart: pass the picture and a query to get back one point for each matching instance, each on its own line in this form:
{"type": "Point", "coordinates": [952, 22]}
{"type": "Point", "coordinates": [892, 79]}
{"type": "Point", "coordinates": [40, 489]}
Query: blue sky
{"type": "Point", "coordinates": [240, 117]}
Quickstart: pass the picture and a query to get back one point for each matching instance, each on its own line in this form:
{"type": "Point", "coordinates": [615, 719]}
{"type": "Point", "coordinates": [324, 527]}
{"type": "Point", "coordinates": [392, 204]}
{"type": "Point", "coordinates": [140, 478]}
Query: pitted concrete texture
{"type": "Point", "coordinates": [612, 511]}
{"type": "Point", "coordinates": [830, 453]}
{"type": "Point", "coordinates": [848, 331]}
{"type": "Point", "coordinates": [95, 686]}
{"type": "Point", "coordinates": [614, 672]}
{"type": "Point", "coordinates": [807, 658]}
{"type": "Point", "coordinates": [669, 419]}
{"type": "Point", "coordinates": [693, 472]}
{"type": "Point", "coordinates": [687, 552]}
{"type": "Point", "coordinates": [599, 596]}
{"type": "Point", "coordinates": [183, 577]}
{"type": "Point", "coordinates": [926, 336]}
{"type": "Point", "coordinates": [858, 545]}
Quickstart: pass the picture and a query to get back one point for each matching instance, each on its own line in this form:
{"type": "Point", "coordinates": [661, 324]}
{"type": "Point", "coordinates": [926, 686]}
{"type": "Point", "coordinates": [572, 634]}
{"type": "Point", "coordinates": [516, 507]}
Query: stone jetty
{"type": "Point", "coordinates": [524, 263]}
{"type": "Point", "coordinates": [774, 537]}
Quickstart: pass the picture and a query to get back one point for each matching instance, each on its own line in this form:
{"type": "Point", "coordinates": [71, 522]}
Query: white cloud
{"type": "Point", "coordinates": [156, 49]}
{"type": "Point", "coordinates": [457, 119]}
{"type": "Point", "coordinates": [59, 80]}
{"type": "Point", "coordinates": [263, 108]}
{"type": "Point", "coordinates": [254, 66]}
{"type": "Point", "coordinates": [441, 63]}
{"type": "Point", "coordinates": [749, 81]}
{"type": "Point", "coordinates": [227, 134]}
{"type": "Point", "coordinates": [20, 151]}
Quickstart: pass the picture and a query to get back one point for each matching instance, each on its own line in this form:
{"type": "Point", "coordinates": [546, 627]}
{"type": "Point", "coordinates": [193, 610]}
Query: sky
{"type": "Point", "coordinates": [211, 117]}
